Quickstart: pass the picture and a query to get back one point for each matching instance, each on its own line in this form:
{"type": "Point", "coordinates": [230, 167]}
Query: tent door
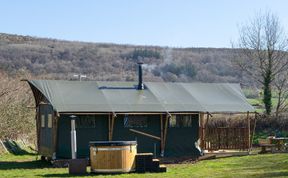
{"type": "Point", "coordinates": [46, 125]}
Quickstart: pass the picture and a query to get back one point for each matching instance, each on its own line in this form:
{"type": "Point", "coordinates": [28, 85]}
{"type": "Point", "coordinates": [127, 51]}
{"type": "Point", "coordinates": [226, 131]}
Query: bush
{"type": "Point", "coordinates": [186, 69]}
{"type": "Point", "coordinates": [16, 119]}
{"type": "Point", "coordinates": [251, 93]}
{"type": "Point", "coordinates": [140, 54]}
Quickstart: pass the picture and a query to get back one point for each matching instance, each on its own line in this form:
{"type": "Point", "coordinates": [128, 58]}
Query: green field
{"type": "Point", "coordinates": [256, 100]}
{"type": "Point", "coordinates": [268, 165]}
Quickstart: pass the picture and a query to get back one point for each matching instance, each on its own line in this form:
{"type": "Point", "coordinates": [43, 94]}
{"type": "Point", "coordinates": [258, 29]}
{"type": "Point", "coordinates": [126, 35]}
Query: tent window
{"type": "Point", "coordinates": [180, 121]}
{"type": "Point", "coordinates": [135, 121]}
{"type": "Point", "coordinates": [85, 122]}
{"type": "Point", "coordinates": [49, 120]}
{"type": "Point", "coordinates": [42, 120]}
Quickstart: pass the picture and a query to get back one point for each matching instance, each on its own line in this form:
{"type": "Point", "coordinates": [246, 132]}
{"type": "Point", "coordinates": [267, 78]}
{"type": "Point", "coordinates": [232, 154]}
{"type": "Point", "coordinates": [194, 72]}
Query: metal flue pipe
{"type": "Point", "coordinates": [73, 138]}
{"type": "Point", "coordinates": [140, 79]}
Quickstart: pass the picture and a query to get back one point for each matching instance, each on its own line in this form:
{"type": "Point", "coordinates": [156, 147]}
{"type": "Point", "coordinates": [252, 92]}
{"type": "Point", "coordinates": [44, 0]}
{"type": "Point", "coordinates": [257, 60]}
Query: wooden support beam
{"type": "Point", "coordinates": [157, 113]}
{"type": "Point", "coordinates": [112, 125]}
{"type": "Point", "coordinates": [145, 134]}
{"type": "Point", "coordinates": [184, 113]}
{"type": "Point", "coordinates": [55, 121]}
{"type": "Point", "coordinates": [206, 124]}
{"type": "Point", "coordinates": [119, 113]}
{"type": "Point", "coordinates": [38, 127]}
{"type": "Point", "coordinates": [109, 127]}
{"type": "Point", "coordinates": [207, 119]}
{"type": "Point", "coordinates": [83, 113]}
{"type": "Point", "coordinates": [111, 118]}
{"type": "Point", "coordinates": [249, 134]}
{"type": "Point", "coordinates": [227, 113]}
{"type": "Point", "coordinates": [162, 141]}
{"type": "Point", "coordinates": [138, 113]}
{"type": "Point", "coordinates": [201, 130]}
{"type": "Point", "coordinates": [165, 133]}
{"type": "Point", "coordinates": [254, 128]}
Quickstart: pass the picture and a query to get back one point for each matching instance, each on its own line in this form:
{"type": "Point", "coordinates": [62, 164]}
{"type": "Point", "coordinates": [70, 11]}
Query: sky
{"type": "Point", "coordinates": [173, 23]}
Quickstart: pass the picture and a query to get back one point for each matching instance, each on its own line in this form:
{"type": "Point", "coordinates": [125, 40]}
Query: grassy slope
{"type": "Point", "coordinates": [269, 165]}
{"type": "Point", "coordinates": [255, 99]}
{"type": "Point", "coordinates": [258, 101]}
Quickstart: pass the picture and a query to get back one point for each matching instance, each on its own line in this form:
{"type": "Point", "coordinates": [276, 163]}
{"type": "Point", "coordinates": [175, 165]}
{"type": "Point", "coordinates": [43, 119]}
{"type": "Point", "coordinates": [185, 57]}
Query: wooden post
{"type": "Point", "coordinates": [38, 127]}
{"type": "Point", "coordinates": [200, 133]}
{"type": "Point", "coordinates": [55, 120]}
{"type": "Point", "coordinates": [112, 125]}
{"type": "Point", "coordinates": [109, 127]}
{"type": "Point", "coordinates": [165, 133]}
{"type": "Point", "coordinates": [207, 119]}
{"type": "Point", "coordinates": [201, 130]}
{"type": "Point", "coordinates": [205, 127]}
{"type": "Point", "coordinates": [254, 127]}
{"type": "Point", "coordinates": [249, 136]}
{"type": "Point", "coordinates": [162, 141]}
{"type": "Point", "coordinates": [145, 134]}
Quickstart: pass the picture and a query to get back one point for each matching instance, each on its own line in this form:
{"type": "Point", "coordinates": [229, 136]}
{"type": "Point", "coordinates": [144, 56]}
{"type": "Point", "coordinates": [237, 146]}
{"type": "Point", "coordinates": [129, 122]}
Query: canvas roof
{"type": "Point", "coordinates": [95, 96]}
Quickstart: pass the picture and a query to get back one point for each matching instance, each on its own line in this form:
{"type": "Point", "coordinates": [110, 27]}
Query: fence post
{"type": "Point", "coordinates": [218, 134]}
{"type": "Point", "coordinates": [254, 127]}
{"type": "Point", "coordinates": [248, 123]}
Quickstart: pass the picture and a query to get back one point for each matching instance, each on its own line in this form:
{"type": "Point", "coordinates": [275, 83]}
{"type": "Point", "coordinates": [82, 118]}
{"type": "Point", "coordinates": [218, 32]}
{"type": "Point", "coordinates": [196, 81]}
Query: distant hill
{"type": "Point", "coordinates": [58, 59]}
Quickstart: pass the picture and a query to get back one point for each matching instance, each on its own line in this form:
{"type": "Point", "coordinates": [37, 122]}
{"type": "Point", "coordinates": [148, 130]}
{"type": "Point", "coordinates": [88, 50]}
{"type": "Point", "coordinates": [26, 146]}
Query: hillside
{"type": "Point", "coordinates": [50, 58]}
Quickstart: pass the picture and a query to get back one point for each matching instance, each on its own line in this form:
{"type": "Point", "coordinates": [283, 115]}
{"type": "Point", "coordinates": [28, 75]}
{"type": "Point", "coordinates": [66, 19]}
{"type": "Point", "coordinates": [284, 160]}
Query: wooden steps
{"type": "Point", "coordinates": [162, 168]}
{"type": "Point", "coordinates": [146, 163]}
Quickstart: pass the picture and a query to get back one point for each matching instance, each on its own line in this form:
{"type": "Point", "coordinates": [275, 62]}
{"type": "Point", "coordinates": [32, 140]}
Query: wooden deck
{"type": "Point", "coordinates": [226, 153]}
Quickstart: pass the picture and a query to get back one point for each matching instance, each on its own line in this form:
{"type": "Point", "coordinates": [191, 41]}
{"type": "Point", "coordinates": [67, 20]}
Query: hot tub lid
{"type": "Point", "coordinates": [112, 143]}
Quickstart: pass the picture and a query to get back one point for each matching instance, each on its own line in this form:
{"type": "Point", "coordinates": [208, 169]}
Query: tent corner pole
{"type": "Point", "coordinates": [109, 127]}
{"type": "Point", "coordinates": [162, 141]}
{"type": "Point", "coordinates": [168, 116]}
{"type": "Point", "coordinates": [202, 130]}
{"type": "Point", "coordinates": [112, 124]}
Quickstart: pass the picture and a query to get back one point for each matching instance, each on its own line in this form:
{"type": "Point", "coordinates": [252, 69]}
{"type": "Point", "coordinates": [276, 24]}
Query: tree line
{"type": "Point", "coordinates": [263, 55]}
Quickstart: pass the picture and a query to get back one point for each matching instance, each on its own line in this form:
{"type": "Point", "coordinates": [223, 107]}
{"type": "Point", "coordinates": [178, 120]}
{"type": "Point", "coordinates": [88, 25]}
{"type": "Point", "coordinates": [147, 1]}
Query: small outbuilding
{"type": "Point", "coordinates": [164, 118]}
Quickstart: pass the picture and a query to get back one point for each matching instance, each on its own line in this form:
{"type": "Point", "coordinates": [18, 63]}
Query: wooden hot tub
{"type": "Point", "coordinates": [113, 156]}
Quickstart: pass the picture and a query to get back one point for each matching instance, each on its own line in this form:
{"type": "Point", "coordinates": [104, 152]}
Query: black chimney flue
{"type": "Point", "coordinates": [140, 79]}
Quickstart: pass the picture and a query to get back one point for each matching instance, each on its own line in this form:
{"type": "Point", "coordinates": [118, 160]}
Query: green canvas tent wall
{"type": "Point", "coordinates": [168, 113]}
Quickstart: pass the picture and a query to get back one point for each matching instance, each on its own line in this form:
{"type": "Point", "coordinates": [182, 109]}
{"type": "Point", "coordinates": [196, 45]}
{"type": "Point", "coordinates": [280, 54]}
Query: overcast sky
{"type": "Point", "coordinates": [178, 23]}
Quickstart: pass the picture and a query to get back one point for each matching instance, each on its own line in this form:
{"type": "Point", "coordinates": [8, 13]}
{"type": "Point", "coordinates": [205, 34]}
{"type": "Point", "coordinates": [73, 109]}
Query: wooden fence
{"type": "Point", "coordinates": [226, 138]}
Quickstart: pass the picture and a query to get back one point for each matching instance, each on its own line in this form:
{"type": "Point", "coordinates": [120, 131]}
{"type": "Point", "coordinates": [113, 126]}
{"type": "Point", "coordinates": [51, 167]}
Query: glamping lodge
{"type": "Point", "coordinates": [166, 119]}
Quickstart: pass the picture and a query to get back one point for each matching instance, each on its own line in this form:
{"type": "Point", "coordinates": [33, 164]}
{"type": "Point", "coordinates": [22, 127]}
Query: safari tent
{"type": "Point", "coordinates": [164, 118]}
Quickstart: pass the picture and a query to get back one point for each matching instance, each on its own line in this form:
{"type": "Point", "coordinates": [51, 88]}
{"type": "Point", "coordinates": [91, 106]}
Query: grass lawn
{"type": "Point", "coordinates": [268, 165]}
{"type": "Point", "coordinates": [258, 101]}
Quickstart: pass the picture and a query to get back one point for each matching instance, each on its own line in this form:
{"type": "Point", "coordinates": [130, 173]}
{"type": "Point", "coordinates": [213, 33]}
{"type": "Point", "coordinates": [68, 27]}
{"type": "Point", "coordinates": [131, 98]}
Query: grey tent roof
{"type": "Point", "coordinates": [93, 96]}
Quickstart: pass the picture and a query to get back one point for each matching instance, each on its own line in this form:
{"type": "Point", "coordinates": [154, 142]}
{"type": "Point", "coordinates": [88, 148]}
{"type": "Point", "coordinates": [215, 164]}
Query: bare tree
{"type": "Point", "coordinates": [281, 87]}
{"type": "Point", "coordinates": [16, 119]}
{"type": "Point", "coordinates": [263, 52]}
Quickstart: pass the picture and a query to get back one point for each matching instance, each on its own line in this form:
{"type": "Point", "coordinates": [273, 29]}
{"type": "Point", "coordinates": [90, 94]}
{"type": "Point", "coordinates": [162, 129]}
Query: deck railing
{"type": "Point", "coordinates": [226, 138]}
